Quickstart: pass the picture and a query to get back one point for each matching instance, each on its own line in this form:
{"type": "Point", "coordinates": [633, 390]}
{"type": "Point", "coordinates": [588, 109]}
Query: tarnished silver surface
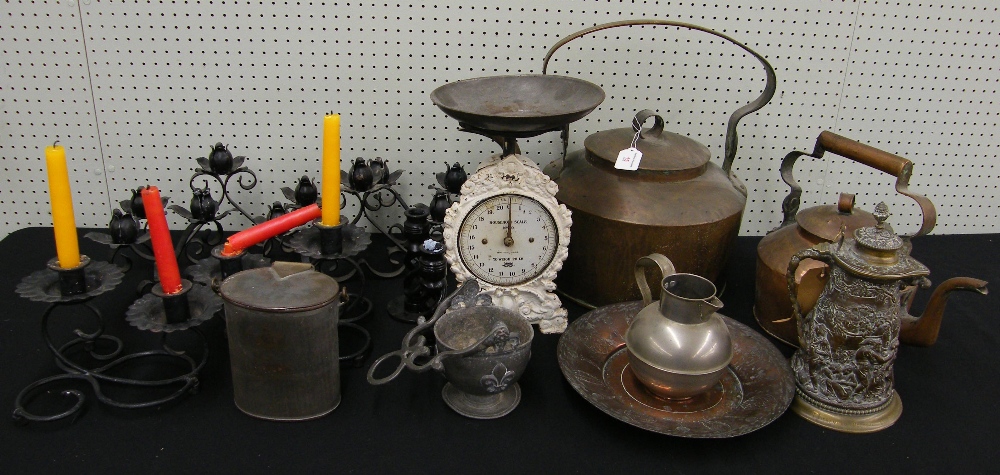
{"type": "Point", "coordinates": [284, 350]}
{"type": "Point", "coordinates": [848, 350]}
{"type": "Point", "coordinates": [756, 388]}
{"type": "Point", "coordinates": [481, 349]}
{"type": "Point", "coordinates": [848, 342]}
{"type": "Point", "coordinates": [679, 346]}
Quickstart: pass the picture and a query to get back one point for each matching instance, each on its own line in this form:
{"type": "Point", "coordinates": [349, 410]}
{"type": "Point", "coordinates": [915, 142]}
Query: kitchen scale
{"type": "Point", "coordinates": [507, 230]}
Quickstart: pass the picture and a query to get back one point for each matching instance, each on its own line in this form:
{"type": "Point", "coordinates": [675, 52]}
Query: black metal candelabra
{"type": "Point", "coordinates": [74, 288]}
{"type": "Point", "coordinates": [220, 166]}
{"type": "Point", "coordinates": [330, 248]}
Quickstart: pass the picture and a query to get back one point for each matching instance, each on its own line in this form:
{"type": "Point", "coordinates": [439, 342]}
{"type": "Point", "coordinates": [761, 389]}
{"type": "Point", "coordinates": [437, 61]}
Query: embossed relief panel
{"type": "Point", "coordinates": [170, 78]}
{"type": "Point", "coordinates": [45, 96]}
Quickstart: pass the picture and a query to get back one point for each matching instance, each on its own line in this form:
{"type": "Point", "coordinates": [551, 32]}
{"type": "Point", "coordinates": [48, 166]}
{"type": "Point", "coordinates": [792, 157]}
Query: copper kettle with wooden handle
{"type": "Point", "coordinates": [804, 229]}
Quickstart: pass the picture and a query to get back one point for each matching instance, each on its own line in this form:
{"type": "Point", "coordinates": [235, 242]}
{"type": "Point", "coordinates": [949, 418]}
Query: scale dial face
{"type": "Point", "coordinates": [508, 239]}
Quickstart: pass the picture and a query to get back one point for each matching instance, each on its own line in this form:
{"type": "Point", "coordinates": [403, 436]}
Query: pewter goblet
{"type": "Point", "coordinates": [482, 350]}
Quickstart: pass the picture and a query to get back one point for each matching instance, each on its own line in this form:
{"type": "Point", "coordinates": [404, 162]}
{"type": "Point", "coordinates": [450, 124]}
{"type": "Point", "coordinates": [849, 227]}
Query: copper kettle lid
{"type": "Point", "coordinates": [661, 151]}
{"type": "Point", "coordinates": [825, 222]}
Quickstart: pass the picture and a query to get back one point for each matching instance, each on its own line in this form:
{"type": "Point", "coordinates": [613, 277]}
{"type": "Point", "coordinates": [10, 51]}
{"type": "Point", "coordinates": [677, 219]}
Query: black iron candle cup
{"type": "Point", "coordinates": [72, 281]}
{"type": "Point", "coordinates": [228, 264]}
{"type": "Point", "coordinates": [175, 305]}
{"type": "Point", "coordinates": [331, 238]}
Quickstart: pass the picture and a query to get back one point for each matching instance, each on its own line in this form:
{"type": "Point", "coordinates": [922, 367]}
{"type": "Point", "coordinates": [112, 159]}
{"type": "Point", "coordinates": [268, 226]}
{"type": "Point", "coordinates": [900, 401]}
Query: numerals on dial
{"type": "Point", "coordinates": [507, 239]}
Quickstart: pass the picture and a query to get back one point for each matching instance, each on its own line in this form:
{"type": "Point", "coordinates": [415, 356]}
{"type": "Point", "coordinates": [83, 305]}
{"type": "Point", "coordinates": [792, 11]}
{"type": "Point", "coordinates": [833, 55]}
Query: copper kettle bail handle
{"type": "Point", "coordinates": [641, 117]}
{"type": "Point", "coordinates": [656, 261]}
{"type": "Point", "coordinates": [864, 154]}
{"type": "Point", "coordinates": [732, 138]}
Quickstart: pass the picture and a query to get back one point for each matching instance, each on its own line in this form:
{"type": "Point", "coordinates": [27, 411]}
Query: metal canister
{"type": "Point", "coordinates": [283, 349]}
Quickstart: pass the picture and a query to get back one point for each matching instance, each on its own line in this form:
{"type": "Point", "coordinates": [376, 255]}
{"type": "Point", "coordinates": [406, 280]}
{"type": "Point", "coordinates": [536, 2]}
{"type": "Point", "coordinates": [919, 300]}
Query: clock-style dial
{"type": "Point", "coordinates": [507, 239]}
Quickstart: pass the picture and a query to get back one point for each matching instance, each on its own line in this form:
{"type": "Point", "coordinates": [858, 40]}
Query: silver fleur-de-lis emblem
{"type": "Point", "coordinates": [499, 380]}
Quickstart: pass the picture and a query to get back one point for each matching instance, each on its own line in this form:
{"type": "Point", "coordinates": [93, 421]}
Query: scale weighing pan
{"type": "Point", "coordinates": [518, 105]}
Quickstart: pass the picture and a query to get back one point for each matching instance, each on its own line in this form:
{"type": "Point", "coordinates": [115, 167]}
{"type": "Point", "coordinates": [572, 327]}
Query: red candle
{"type": "Point", "coordinates": [269, 229]}
{"type": "Point", "coordinates": [163, 246]}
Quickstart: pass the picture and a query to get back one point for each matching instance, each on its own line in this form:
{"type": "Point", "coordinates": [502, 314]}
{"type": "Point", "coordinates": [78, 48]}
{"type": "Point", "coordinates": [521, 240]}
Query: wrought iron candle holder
{"type": "Point", "coordinates": [213, 270]}
{"type": "Point", "coordinates": [220, 166]}
{"type": "Point", "coordinates": [75, 288]}
{"type": "Point", "coordinates": [330, 248]}
{"type": "Point", "coordinates": [449, 190]}
{"type": "Point", "coordinates": [125, 232]}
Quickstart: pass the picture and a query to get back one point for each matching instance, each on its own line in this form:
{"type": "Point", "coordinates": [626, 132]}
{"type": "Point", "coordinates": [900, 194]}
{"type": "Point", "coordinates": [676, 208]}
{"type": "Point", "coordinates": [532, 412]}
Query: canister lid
{"type": "Point", "coordinates": [662, 151]}
{"type": "Point", "coordinates": [283, 287]}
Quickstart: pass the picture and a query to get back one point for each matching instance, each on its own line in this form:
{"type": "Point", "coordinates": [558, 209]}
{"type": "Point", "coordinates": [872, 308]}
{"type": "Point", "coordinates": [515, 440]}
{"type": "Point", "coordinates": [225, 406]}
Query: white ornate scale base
{"type": "Point", "coordinates": [509, 232]}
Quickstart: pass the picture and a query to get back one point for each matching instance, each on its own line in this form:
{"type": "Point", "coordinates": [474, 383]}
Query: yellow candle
{"type": "Point", "coordinates": [331, 170]}
{"type": "Point", "coordinates": [67, 246]}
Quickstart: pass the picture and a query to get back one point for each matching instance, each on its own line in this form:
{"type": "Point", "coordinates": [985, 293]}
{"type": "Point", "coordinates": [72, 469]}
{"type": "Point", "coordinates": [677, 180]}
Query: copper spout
{"type": "Point", "coordinates": [924, 331]}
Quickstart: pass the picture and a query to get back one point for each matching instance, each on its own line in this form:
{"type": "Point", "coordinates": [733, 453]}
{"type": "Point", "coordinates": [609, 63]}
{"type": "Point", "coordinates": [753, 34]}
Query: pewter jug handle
{"type": "Point", "coordinates": [793, 287]}
{"type": "Point", "coordinates": [731, 137]}
{"type": "Point", "coordinates": [656, 261]}
{"type": "Point", "coordinates": [864, 154]}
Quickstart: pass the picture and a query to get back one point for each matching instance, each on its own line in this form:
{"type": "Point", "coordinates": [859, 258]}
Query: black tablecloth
{"type": "Point", "coordinates": [949, 392]}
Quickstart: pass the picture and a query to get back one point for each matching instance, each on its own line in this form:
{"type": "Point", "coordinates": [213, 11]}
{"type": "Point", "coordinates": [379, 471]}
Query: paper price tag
{"type": "Point", "coordinates": [628, 159]}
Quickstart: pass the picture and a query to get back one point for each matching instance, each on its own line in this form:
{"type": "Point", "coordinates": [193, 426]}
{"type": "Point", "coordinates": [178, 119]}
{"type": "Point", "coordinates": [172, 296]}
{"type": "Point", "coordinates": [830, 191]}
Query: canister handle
{"type": "Point", "coordinates": [793, 287]}
{"type": "Point", "coordinates": [641, 117]}
{"type": "Point", "coordinates": [864, 154]}
{"type": "Point", "coordinates": [731, 137]}
{"type": "Point", "coordinates": [656, 261]}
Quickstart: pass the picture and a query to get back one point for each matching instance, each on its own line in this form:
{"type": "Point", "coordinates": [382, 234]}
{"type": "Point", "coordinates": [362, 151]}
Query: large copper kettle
{"type": "Point", "coordinates": [678, 203]}
{"type": "Point", "coordinates": [806, 228]}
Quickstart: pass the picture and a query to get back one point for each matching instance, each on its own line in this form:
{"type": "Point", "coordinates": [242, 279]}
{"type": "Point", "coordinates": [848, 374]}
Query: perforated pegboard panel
{"type": "Point", "coordinates": [44, 97]}
{"type": "Point", "coordinates": [170, 78]}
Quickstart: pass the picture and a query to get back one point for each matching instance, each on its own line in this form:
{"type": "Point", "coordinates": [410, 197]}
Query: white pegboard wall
{"type": "Point", "coordinates": [170, 78]}
{"type": "Point", "coordinates": [44, 97]}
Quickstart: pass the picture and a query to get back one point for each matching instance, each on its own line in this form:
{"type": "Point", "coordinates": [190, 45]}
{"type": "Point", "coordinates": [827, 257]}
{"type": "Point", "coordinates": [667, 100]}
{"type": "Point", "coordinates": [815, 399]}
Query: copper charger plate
{"type": "Point", "coordinates": [758, 387]}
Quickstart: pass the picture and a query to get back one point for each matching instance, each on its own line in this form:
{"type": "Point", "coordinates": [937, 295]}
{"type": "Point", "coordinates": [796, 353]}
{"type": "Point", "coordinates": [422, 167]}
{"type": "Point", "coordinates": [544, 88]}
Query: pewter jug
{"type": "Point", "coordinates": [848, 342]}
{"type": "Point", "coordinates": [678, 347]}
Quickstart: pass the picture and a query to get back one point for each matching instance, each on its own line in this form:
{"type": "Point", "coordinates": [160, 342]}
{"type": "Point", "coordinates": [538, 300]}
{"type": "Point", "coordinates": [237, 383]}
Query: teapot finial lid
{"type": "Point", "coordinates": [881, 236]}
{"type": "Point", "coordinates": [881, 213]}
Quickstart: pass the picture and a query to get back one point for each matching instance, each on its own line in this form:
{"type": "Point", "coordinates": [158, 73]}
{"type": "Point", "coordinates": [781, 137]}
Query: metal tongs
{"type": "Point", "coordinates": [415, 345]}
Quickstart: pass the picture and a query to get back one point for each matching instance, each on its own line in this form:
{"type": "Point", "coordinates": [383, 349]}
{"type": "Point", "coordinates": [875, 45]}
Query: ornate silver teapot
{"type": "Point", "coordinates": [848, 341]}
